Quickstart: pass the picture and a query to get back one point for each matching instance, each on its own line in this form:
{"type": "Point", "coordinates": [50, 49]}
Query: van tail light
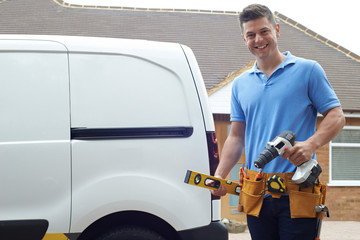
{"type": "Point", "coordinates": [213, 154]}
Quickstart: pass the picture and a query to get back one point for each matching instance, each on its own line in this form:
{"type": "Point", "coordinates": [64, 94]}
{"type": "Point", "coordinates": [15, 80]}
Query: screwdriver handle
{"type": "Point", "coordinates": [258, 176]}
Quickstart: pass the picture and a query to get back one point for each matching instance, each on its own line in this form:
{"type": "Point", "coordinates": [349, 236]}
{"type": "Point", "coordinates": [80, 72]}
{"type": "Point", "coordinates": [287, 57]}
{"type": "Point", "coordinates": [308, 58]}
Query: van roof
{"type": "Point", "coordinates": [92, 44]}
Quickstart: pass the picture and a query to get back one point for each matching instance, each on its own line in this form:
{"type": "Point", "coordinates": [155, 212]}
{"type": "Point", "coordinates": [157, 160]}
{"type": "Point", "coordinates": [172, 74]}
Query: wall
{"type": "Point", "coordinates": [343, 202]}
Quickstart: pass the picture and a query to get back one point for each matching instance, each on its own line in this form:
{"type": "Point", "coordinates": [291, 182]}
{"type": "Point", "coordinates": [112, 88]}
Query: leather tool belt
{"type": "Point", "coordinates": [302, 200]}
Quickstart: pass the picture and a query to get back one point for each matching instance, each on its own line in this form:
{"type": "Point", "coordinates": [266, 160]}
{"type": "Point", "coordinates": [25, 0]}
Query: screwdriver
{"type": "Point", "coordinates": [258, 176]}
{"type": "Point", "coordinates": [241, 174]}
{"type": "Point", "coordinates": [245, 172]}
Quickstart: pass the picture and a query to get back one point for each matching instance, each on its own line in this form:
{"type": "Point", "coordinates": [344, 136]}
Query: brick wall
{"type": "Point", "coordinates": [343, 202]}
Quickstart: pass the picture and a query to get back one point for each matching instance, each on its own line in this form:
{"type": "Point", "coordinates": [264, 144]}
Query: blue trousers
{"type": "Point", "coordinates": [275, 223]}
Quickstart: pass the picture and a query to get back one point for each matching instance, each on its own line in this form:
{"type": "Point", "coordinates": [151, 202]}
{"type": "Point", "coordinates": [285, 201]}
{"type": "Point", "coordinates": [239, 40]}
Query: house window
{"type": "Point", "coordinates": [345, 158]}
{"type": "Point", "coordinates": [234, 177]}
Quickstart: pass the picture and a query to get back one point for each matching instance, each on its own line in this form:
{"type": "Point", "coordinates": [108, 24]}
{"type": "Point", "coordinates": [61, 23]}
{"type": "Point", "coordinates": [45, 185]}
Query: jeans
{"type": "Point", "coordinates": [275, 223]}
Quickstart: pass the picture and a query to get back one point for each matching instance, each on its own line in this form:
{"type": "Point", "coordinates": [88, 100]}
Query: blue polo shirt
{"type": "Point", "coordinates": [288, 100]}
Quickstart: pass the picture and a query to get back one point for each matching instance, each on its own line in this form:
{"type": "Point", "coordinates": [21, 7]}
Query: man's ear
{"type": "Point", "coordinates": [277, 29]}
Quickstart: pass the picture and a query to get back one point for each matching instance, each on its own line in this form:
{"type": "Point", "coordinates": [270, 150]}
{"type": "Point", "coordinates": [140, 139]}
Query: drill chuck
{"type": "Point", "coordinates": [266, 156]}
{"type": "Point", "coordinates": [277, 146]}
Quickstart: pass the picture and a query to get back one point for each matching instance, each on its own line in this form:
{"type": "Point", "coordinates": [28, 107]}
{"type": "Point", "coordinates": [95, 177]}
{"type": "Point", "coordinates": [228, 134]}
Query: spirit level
{"type": "Point", "coordinates": [210, 182]}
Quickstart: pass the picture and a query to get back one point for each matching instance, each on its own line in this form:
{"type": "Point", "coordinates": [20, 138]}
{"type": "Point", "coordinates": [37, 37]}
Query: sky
{"type": "Point", "coordinates": [336, 20]}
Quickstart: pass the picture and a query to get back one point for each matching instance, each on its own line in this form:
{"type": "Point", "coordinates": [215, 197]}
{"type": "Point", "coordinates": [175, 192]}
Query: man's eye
{"type": "Point", "coordinates": [251, 36]}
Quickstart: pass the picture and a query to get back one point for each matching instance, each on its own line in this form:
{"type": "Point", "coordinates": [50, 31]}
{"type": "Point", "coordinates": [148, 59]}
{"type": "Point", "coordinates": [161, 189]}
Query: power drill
{"type": "Point", "coordinates": [305, 175]}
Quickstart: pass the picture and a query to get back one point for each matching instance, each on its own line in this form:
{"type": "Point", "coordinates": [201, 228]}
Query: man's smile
{"type": "Point", "coordinates": [262, 47]}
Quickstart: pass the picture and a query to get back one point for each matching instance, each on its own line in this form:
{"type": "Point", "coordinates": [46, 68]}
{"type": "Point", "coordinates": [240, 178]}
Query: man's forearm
{"type": "Point", "coordinates": [231, 153]}
{"type": "Point", "coordinates": [330, 126]}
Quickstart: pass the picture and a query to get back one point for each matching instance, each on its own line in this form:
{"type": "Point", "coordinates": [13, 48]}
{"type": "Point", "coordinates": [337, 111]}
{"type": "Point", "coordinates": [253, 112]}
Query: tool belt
{"type": "Point", "coordinates": [302, 200]}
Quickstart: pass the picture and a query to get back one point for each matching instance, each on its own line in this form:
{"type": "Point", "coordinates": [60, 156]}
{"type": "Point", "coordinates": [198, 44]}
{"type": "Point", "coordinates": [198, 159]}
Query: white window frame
{"type": "Point", "coordinates": [331, 145]}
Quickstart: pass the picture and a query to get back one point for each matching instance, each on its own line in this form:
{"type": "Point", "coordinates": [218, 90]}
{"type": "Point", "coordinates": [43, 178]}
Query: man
{"type": "Point", "coordinates": [281, 92]}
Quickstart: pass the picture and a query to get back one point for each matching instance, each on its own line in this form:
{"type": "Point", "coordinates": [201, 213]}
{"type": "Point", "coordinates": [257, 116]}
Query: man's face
{"type": "Point", "coordinates": [260, 37]}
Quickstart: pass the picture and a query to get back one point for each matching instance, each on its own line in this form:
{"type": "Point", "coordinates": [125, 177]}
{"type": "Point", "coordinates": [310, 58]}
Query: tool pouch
{"type": "Point", "coordinates": [252, 196]}
{"type": "Point", "coordinates": [304, 200]}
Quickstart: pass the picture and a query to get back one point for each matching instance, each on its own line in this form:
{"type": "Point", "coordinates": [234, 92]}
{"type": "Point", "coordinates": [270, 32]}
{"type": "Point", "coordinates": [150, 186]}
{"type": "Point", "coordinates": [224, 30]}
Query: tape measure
{"type": "Point", "coordinates": [211, 182]}
{"type": "Point", "coordinates": [276, 184]}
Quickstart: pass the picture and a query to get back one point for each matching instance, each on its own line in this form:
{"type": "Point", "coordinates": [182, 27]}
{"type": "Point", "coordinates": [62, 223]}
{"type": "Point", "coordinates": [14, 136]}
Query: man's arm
{"type": "Point", "coordinates": [231, 152]}
{"type": "Point", "coordinates": [330, 126]}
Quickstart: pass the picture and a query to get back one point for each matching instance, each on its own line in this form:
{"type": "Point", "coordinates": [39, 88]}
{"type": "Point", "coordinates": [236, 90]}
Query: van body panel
{"type": "Point", "coordinates": [161, 86]}
{"type": "Point", "coordinates": [170, 207]}
{"type": "Point", "coordinates": [30, 45]}
{"type": "Point", "coordinates": [35, 133]}
{"type": "Point", "coordinates": [140, 170]}
{"type": "Point", "coordinates": [105, 96]}
{"type": "Point", "coordinates": [199, 83]}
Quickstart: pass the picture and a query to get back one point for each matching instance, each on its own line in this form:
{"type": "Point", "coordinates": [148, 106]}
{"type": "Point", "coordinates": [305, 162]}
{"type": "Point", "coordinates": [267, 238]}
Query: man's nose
{"type": "Point", "coordinates": [258, 38]}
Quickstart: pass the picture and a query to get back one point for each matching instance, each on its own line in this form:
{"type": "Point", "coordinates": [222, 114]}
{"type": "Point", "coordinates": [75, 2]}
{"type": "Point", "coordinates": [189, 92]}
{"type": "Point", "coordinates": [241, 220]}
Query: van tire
{"type": "Point", "coordinates": [131, 233]}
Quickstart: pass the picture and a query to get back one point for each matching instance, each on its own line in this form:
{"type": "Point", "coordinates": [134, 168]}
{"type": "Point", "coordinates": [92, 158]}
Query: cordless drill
{"type": "Point", "coordinates": [305, 175]}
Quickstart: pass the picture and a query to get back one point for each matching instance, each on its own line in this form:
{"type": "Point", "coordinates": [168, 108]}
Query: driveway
{"type": "Point", "coordinates": [331, 230]}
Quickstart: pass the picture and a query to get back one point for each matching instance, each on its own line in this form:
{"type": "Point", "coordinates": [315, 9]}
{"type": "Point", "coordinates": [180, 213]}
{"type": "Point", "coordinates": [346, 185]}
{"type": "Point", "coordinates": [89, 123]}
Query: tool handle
{"type": "Point", "coordinates": [258, 177]}
{"type": "Point", "coordinates": [244, 172]}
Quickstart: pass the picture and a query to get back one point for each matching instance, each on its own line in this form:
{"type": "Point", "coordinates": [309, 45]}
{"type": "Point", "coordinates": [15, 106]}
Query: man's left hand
{"type": "Point", "coordinates": [300, 153]}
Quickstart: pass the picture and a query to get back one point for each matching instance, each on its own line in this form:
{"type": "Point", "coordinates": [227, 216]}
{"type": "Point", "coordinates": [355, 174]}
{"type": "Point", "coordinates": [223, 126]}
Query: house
{"type": "Point", "coordinates": [216, 41]}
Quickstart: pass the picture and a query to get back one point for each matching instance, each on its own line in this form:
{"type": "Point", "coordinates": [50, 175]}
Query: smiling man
{"type": "Point", "coordinates": [260, 36]}
{"type": "Point", "coordinates": [281, 92]}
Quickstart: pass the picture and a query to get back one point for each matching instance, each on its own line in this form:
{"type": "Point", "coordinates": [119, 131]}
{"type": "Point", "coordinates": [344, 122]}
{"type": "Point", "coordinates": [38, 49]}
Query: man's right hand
{"type": "Point", "coordinates": [221, 191]}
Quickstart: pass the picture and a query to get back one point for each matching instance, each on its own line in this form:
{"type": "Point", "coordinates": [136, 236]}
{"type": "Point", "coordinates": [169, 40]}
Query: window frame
{"type": "Point", "coordinates": [342, 183]}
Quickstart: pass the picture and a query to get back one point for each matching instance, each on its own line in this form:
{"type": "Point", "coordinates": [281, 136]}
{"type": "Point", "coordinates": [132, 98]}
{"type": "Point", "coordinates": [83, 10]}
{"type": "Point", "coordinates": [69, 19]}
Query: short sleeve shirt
{"type": "Point", "coordinates": [287, 100]}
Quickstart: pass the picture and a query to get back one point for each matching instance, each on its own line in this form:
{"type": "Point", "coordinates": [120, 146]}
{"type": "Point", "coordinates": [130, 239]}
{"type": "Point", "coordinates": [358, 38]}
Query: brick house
{"type": "Point", "coordinates": [215, 38]}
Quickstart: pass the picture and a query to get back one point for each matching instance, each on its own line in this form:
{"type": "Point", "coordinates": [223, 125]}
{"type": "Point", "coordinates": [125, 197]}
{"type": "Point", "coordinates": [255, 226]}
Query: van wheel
{"type": "Point", "coordinates": [131, 233]}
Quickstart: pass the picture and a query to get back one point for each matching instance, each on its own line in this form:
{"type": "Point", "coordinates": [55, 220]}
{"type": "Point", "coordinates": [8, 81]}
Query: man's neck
{"type": "Point", "coordinates": [268, 65]}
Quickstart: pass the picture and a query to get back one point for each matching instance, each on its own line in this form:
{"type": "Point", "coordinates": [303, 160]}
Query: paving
{"type": "Point", "coordinates": [331, 230]}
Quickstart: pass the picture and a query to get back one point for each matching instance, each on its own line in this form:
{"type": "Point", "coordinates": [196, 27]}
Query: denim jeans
{"type": "Point", "coordinates": [275, 223]}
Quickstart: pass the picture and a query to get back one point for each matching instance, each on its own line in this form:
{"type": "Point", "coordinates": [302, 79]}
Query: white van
{"type": "Point", "coordinates": [96, 137]}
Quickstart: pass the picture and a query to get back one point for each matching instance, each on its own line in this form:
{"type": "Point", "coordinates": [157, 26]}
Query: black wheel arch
{"type": "Point", "coordinates": [135, 218]}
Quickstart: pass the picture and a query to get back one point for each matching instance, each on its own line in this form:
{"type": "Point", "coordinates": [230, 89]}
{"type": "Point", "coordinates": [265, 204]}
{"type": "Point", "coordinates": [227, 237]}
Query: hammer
{"type": "Point", "coordinates": [321, 209]}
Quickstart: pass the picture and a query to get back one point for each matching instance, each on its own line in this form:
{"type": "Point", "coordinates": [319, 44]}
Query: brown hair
{"type": "Point", "coordinates": [255, 11]}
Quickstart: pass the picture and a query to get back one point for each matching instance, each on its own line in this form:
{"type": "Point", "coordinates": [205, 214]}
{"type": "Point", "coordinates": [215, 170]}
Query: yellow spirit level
{"type": "Point", "coordinates": [210, 182]}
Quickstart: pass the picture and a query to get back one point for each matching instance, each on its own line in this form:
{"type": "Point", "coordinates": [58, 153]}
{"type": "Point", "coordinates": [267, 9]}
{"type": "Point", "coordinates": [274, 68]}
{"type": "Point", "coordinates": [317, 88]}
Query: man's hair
{"type": "Point", "coordinates": [255, 11]}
